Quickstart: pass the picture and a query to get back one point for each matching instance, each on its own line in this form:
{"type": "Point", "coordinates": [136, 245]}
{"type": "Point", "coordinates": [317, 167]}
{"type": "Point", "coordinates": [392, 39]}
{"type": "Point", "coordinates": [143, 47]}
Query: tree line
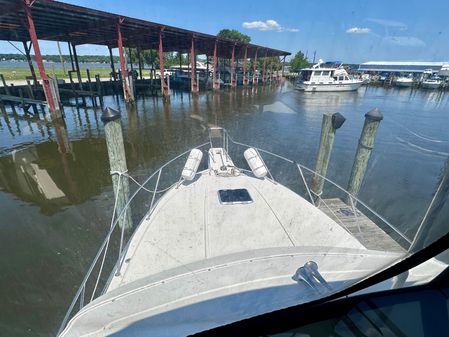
{"type": "Point", "coordinates": [56, 58]}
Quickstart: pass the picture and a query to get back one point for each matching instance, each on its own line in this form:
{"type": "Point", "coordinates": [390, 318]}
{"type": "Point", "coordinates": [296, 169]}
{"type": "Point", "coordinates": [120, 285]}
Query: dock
{"type": "Point", "coordinates": [359, 225]}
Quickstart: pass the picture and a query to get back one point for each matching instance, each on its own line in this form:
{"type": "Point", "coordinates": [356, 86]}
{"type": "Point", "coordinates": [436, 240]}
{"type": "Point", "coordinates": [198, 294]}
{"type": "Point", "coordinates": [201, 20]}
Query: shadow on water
{"type": "Point", "coordinates": [56, 193]}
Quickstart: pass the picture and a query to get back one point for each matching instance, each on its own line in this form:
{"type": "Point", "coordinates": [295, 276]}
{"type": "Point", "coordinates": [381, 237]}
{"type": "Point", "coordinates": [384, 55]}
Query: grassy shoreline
{"type": "Point", "coordinates": [21, 73]}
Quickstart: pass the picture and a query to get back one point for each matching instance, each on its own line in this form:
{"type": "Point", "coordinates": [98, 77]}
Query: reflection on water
{"type": "Point", "coordinates": [56, 193]}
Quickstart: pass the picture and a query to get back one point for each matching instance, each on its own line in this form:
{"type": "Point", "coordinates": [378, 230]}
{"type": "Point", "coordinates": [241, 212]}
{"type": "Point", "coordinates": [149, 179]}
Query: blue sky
{"type": "Point", "coordinates": [352, 31]}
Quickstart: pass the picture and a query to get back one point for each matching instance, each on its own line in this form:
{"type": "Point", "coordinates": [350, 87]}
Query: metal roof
{"type": "Point", "coordinates": [404, 63]}
{"type": "Point", "coordinates": [57, 21]}
{"type": "Point", "coordinates": [401, 66]}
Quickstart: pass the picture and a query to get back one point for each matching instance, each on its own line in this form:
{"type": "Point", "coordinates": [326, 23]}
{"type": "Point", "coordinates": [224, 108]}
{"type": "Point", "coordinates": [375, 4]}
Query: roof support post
{"type": "Point", "coordinates": [245, 61]}
{"type": "Point", "coordinates": [271, 71]}
{"type": "Point", "coordinates": [255, 78]}
{"type": "Point", "coordinates": [30, 63]}
{"type": "Point", "coordinates": [37, 52]}
{"type": "Point", "coordinates": [233, 81]}
{"type": "Point", "coordinates": [61, 58]}
{"type": "Point", "coordinates": [77, 67]}
{"type": "Point", "coordinates": [164, 87]}
{"type": "Point", "coordinates": [126, 91]}
{"type": "Point", "coordinates": [207, 71]}
{"type": "Point", "coordinates": [277, 70]}
{"type": "Point", "coordinates": [264, 68]}
{"type": "Point", "coordinates": [194, 84]}
{"type": "Point", "coordinates": [139, 57]}
{"type": "Point", "coordinates": [283, 66]}
{"type": "Point", "coordinates": [71, 56]}
{"type": "Point", "coordinates": [114, 75]}
{"type": "Point", "coordinates": [130, 59]}
{"type": "Point", "coordinates": [216, 84]}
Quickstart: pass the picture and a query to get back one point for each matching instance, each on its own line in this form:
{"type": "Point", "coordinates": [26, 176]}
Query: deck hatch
{"type": "Point", "coordinates": [235, 196]}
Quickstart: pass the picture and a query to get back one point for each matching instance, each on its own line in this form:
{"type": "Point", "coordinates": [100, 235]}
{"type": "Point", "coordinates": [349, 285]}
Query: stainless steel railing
{"type": "Point", "coordinates": [307, 193]}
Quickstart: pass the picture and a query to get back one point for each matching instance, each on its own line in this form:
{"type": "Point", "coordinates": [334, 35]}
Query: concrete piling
{"type": "Point", "coordinates": [366, 141]}
{"type": "Point", "coordinates": [117, 162]}
{"type": "Point", "coordinates": [331, 123]}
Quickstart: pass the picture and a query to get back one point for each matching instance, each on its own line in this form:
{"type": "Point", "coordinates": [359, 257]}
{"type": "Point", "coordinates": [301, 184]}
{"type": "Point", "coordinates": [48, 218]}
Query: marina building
{"type": "Point", "coordinates": [405, 67]}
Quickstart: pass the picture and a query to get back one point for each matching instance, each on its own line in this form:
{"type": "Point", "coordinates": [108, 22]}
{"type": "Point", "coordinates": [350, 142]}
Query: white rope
{"type": "Point", "coordinates": [125, 173]}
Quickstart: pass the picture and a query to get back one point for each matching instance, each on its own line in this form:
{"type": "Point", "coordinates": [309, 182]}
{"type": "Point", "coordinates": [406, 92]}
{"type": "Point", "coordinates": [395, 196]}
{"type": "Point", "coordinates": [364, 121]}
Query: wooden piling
{"type": "Point", "coordinates": [112, 64]}
{"type": "Point", "coordinates": [54, 89]}
{"type": "Point", "coordinates": [117, 162]}
{"type": "Point", "coordinates": [31, 94]}
{"type": "Point", "coordinates": [99, 89]}
{"type": "Point", "coordinates": [2, 107]}
{"type": "Point", "coordinates": [7, 92]}
{"type": "Point", "coordinates": [30, 62]}
{"type": "Point", "coordinates": [89, 84]}
{"type": "Point", "coordinates": [331, 123]}
{"type": "Point", "coordinates": [366, 141]}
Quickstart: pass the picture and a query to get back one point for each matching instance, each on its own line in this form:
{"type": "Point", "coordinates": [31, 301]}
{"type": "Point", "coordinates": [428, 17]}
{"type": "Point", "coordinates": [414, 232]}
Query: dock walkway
{"type": "Point", "coordinates": [360, 226]}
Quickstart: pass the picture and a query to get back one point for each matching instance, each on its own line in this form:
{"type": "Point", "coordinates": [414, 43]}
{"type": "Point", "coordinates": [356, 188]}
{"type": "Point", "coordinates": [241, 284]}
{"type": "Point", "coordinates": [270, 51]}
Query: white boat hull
{"type": "Point", "coordinates": [405, 84]}
{"type": "Point", "coordinates": [431, 85]}
{"type": "Point", "coordinates": [352, 86]}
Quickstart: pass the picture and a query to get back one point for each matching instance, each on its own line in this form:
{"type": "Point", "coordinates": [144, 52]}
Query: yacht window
{"type": "Point", "coordinates": [317, 73]}
{"type": "Point", "coordinates": [237, 196]}
{"type": "Point", "coordinates": [325, 73]}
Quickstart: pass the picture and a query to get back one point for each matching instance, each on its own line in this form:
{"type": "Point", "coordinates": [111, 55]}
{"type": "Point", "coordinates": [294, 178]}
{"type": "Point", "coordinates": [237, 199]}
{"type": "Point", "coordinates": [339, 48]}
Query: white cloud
{"type": "Point", "coordinates": [267, 25]}
{"type": "Point", "coordinates": [404, 41]}
{"type": "Point", "coordinates": [358, 30]}
{"type": "Point", "coordinates": [389, 23]}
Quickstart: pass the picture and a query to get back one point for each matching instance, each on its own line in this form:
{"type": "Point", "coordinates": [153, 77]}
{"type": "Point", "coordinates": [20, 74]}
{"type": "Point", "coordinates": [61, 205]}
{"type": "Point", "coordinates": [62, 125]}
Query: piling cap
{"type": "Point", "coordinates": [109, 115]}
{"type": "Point", "coordinates": [337, 120]}
{"type": "Point", "coordinates": [374, 115]}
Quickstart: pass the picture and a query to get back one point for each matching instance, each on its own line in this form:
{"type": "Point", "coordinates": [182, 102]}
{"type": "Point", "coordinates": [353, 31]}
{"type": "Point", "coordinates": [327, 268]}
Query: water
{"type": "Point", "coordinates": [56, 199]}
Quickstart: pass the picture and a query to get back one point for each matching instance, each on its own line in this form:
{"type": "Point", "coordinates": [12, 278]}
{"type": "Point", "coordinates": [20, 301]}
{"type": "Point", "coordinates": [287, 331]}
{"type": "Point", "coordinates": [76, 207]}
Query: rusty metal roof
{"type": "Point", "coordinates": [57, 21]}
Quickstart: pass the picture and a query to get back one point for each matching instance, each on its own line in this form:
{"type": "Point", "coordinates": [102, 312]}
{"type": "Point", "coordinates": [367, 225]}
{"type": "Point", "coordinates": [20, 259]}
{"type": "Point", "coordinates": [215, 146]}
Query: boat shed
{"type": "Point", "coordinates": [33, 20]}
{"type": "Point", "coordinates": [401, 66]}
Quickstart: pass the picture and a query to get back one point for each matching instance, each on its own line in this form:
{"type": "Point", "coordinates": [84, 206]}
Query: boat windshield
{"type": "Point", "coordinates": [305, 75]}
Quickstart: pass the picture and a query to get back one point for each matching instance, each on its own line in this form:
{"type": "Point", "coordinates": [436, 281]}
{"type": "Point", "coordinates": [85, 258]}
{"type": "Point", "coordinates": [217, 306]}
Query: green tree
{"type": "Point", "coordinates": [298, 62]}
{"type": "Point", "coordinates": [235, 35]}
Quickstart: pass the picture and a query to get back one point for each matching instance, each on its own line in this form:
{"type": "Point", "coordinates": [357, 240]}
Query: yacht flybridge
{"type": "Point", "coordinates": [327, 77]}
{"type": "Point", "coordinates": [225, 239]}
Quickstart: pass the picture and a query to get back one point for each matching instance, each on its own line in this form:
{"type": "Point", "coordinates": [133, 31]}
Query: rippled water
{"type": "Point", "coordinates": [56, 194]}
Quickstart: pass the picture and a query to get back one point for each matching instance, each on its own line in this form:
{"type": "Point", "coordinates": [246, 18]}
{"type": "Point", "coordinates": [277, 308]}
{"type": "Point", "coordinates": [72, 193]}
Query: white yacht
{"type": "Point", "coordinates": [220, 242]}
{"type": "Point", "coordinates": [433, 82]}
{"type": "Point", "coordinates": [404, 81]}
{"type": "Point", "coordinates": [322, 77]}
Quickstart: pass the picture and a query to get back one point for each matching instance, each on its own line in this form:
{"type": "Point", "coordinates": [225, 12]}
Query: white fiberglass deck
{"type": "Point", "coordinates": [190, 224]}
